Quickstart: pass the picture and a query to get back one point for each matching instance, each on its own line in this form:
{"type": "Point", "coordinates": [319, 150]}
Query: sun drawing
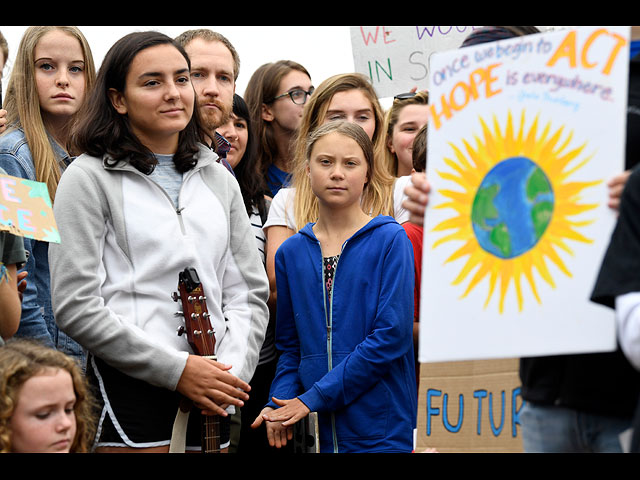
{"type": "Point", "coordinates": [516, 206]}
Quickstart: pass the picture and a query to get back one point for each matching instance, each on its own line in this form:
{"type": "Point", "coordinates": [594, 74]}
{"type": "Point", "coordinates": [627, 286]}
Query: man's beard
{"type": "Point", "coordinates": [212, 119]}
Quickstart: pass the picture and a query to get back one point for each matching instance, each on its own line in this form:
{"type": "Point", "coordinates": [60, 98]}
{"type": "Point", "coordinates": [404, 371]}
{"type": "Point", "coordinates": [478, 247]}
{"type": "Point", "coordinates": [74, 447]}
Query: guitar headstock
{"type": "Point", "coordinates": [197, 324]}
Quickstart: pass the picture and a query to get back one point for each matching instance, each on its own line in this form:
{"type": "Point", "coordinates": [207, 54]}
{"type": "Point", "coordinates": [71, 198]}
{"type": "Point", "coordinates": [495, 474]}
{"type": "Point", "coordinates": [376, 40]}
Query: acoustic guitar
{"type": "Point", "coordinates": [201, 338]}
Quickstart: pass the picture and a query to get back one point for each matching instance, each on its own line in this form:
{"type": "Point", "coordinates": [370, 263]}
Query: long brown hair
{"type": "Point", "coordinates": [390, 121]}
{"type": "Point", "coordinates": [262, 88]}
{"type": "Point", "coordinates": [101, 130]}
{"type": "Point", "coordinates": [23, 106]}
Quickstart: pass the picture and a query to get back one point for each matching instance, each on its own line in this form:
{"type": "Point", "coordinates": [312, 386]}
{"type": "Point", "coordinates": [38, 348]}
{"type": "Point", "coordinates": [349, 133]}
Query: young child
{"type": "Point", "coordinates": [45, 406]}
{"type": "Point", "coordinates": [344, 311]}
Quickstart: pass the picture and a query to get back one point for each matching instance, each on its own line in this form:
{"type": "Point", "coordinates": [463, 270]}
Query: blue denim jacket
{"type": "Point", "coordinates": [37, 315]}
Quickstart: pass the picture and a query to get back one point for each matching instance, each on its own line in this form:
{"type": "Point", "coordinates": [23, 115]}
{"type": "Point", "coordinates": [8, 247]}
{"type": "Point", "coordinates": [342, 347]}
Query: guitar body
{"type": "Point", "coordinates": [201, 338]}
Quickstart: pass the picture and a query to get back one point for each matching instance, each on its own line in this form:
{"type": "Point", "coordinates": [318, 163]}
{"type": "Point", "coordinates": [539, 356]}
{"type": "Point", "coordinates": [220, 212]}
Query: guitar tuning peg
{"type": "Point", "coordinates": [180, 330]}
{"type": "Point", "coordinates": [178, 314]}
{"type": "Point", "coordinates": [174, 296]}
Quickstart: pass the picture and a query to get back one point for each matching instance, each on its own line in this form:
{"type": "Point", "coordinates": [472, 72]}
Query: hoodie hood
{"type": "Point", "coordinates": [205, 157]}
{"type": "Point", "coordinates": [374, 223]}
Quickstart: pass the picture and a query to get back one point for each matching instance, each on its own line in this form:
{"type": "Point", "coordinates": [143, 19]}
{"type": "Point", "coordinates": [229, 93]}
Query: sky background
{"type": "Point", "coordinates": [323, 50]}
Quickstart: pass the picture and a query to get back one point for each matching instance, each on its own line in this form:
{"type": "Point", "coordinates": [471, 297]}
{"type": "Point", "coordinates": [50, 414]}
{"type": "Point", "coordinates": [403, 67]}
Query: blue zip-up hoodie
{"type": "Point", "coordinates": [350, 359]}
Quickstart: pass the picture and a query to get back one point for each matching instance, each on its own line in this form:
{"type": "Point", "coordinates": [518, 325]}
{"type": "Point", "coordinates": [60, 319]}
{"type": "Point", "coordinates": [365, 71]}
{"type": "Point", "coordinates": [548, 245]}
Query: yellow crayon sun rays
{"type": "Point", "coordinates": [548, 154]}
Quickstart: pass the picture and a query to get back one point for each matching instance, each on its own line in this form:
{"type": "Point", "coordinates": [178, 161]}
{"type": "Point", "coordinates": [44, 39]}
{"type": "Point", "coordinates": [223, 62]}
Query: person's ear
{"type": "Point", "coordinates": [390, 145]}
{"type": "Point", "coordinates": [267, 114]}
{"type": "Point", "coordinates": [118, 101]}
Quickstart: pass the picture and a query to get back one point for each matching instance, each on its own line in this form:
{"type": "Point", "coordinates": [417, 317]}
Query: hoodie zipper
{"type": "Point", "coordinates": [328, 315]}
{"type": "Point", "coordinates": [180, 220]}
{"type": "Point", "coordinates": [178, 209]}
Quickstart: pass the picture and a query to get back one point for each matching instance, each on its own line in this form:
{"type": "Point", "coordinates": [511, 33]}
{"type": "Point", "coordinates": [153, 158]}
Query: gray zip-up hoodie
{"type": "Point", "coordinates": [123, 245]}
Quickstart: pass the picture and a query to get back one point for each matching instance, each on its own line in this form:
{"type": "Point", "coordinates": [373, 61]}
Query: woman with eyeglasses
{"type": "Point", "coordinates": [276, 95]}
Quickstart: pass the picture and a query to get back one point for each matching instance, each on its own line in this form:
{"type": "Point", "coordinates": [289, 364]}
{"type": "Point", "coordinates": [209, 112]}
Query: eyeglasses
{"type": "Point", "coordinates": [298, 96]}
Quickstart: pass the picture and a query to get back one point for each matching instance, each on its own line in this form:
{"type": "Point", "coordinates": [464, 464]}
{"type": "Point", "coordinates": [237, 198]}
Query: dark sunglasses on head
{"type": "Point", "coordinates": [404, 96]}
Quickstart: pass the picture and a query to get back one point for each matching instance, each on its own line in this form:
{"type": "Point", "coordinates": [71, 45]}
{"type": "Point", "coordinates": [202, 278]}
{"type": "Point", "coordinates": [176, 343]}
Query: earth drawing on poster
{"type": "Point", "coordinates": [516, 207]}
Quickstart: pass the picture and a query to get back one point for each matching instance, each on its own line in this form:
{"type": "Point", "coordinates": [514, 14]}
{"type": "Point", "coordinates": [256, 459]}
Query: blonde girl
{"type": "Point", "coordinates": [25, 101]}
{"type": "Point", "coordinates": [51, 75]}
{"type": "Point", "coordinates": [344, 313]}
{"type": "Point", "coordinates": [349, 97]}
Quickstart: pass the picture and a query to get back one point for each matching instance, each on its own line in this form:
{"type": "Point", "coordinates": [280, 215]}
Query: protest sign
{"type": "Point", "coordinates": [470, 407]}
{"type": "Point", "coordinates": [396, 59]}
{"type": "Point", "coordinates": [523, 135]}
{"type": "Point", "coordinates": [25, 209]}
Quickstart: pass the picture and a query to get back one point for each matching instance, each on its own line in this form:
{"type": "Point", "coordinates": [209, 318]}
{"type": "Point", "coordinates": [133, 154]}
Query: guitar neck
{"type": "Point", "coordinates": [210, 434]}
{"type": "Point", "coordinates": [210, 428]}
{"type": "Point", "coordinates": [201, 338]}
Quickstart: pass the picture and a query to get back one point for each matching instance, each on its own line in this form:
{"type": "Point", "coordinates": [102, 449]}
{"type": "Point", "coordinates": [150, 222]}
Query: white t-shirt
{"type": "Point", "coordinates": [281, 210]}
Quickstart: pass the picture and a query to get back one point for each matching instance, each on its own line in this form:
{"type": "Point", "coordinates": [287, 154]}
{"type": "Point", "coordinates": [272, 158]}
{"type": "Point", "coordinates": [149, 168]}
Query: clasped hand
{"type": "Point", "coordinates": [210, 385]}
{"type": "Point", "coordinates": [279, 422]}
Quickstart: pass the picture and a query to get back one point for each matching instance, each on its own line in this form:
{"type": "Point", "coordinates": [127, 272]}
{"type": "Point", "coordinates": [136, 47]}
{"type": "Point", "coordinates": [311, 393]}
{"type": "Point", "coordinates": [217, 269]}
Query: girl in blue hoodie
{"type": "Point", "coordinates": [344, 311]}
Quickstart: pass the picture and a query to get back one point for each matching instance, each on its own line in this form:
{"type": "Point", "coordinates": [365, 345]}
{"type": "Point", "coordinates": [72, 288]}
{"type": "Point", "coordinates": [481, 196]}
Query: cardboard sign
{"type": "Point", "coordinates": [469, 407]}
{"type": "Point", "coordinates": [396, 59]}
{"type": "Point", "coordinates": [25, 209]}
{"type": "Point", "coordinates": [523, 135]}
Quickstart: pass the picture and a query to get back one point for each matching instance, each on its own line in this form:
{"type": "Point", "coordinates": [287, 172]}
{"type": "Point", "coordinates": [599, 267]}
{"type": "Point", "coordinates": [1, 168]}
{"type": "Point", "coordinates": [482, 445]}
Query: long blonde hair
{"type": "Point", "coordinates": [23, 106]}
{"type": "Point", "coordinates": [21, 359]}
{"type": "Point", "coordinates": [378, 196]}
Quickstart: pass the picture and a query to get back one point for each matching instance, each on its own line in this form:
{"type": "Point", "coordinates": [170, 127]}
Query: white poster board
{"type": "Point", "coordinates": [523, 135]}
{"type": "Point", "coordinates": [396, 58]}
